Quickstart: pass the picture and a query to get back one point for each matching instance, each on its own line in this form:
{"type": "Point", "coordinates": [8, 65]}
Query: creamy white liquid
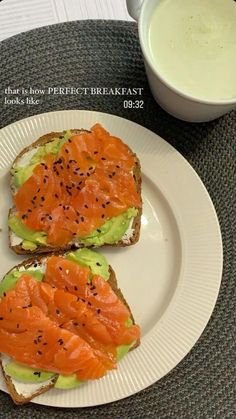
{"type": "Point", "coordinates": [193, 46]}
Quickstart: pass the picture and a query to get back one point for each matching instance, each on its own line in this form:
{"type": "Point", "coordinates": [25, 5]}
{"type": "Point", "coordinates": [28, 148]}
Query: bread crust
{"type": "Point", "coordinates": [20, 399]}
{"type": "Point", "coordinates": [48, 249]}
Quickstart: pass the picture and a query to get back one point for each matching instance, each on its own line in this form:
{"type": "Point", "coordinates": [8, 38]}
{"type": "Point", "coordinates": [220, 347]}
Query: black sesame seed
{"type": "Point", "coordinates": [65, 349]}
{"type": "Point", "coordinates": [17, 326]}
{"type": "Point", "coordinates": [61, 137]}
{"type": "Point", "coordinates": [38, 190]}
{"type": "Point", "coordinates": [98, 230]}
{"type": "Point", "coordinates": [75, 288]}
{"type": "Point", "coordinates": [103, 206]}
{"type": "Point", "coordinates": [68, 166]}
{"type": "Point", "coordinates": [86, 206]}
{"type": "Point", "coordinates": [29, 210]}
{"type": "Point", "coordinates": [60, 268]}
{"type": "Point", "coordinates": [83, 324]}
{"type": "Point", "coordinates": [98, 264]}
{"type": "Point", "coordinates": [69, 141]}
{"type": "Point", "coordinates": [67, 151]}
{"type": "Point", "coordinates": [75, 324]}
{"type": "Point", "coordinates": [95, 152]}
{"type": "Point", "coordinates": [57, 311]}
{"type": "Point", "coordinates": [45, 343]}
{"type": "Point", "coordinates": [50, 217]}
{"type": "Point", "coordinates": [117, 166]}
{"type": "Point", "coordinates": [110, 176]}
{"type": "Point", "coordinates": [95, 294]}
{"type": "Point", "coordinates": [39, 352]}
{"type": "Point", "coordinates": [1, 318]}
{"type": "Point", "coordinates": [108, 202]}
{"type": "Point", "coordinates": [35, 342]}
{"type": "Point", "coordinates": [4, 294]}
{"type": "Point", "coordinates": [82, 219]}
{"type": "Point", "coordinates": [103, 215]}
{"type": "Point", "coordinates": [40, 331]}
{"type": "Point", "coordinates": [89, 304]}
{"type": "Point", "coordinates": [98, 310]}
{"type": "Point", "coordinates": [61, 183]}
{"type": "Point", "coordinates": [42, 198]}
{"type": "Point", "coordinates": [96, 199]}
{"type": "Point", "coordinates": [56, 196]}
{"type": "Point", "coordinates": [103, 158]}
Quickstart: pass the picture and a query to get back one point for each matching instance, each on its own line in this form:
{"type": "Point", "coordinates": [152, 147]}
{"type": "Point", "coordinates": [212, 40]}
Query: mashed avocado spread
{"type": "Point", "coordinates": [110, 232]}
{"type": "Point", "coordinates": [22, 173]}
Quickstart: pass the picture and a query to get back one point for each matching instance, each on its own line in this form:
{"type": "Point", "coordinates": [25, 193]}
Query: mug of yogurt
{"type": "Point", "coordinates": [189, 50]}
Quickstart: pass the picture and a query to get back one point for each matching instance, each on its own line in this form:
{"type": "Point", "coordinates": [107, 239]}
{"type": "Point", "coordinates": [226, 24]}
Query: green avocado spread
{"type": "Point", "coordinates": [110, 232]}
{"type": "Point", "coordinates": [22, 173]}
{"type": "Point", "coordinates": [99, 266]}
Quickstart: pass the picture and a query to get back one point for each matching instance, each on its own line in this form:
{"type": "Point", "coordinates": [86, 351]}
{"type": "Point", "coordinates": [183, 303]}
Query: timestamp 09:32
{"type": "Point", "coordinates": [133, 104]}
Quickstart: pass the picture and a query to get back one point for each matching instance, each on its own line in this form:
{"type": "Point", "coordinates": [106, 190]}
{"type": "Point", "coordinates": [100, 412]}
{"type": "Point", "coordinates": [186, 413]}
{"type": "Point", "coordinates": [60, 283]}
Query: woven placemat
{"type": "Point", "coordinates": [99, 53]}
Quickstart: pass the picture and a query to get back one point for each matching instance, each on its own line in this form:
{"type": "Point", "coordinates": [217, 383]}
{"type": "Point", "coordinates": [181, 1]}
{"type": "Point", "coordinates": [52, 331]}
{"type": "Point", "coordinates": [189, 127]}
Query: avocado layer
{"type": "Point", "coordinates": [11, 279]}
{"type": "Point", "coordinates": [26, 374]}
{"type": "Point", "coordinates": [21, 174]}
{"type": "Point", "coordinates": [21, 230]}
{"type": "Point", "coordinates": [67, 382]}
{"type": "Point", "coordinates": [112, 231]}
{"type": "Point", "coordinates": [95, 261]}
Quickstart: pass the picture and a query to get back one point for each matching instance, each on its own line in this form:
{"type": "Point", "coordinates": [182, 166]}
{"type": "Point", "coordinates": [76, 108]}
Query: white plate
{"type": "Point", "coordinates": [171, 278]}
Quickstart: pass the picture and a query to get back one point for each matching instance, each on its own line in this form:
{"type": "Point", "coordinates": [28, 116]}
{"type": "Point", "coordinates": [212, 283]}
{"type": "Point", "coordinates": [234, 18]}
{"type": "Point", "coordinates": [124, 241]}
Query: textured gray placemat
{"type": "Point", "coordinates": [101, 53]}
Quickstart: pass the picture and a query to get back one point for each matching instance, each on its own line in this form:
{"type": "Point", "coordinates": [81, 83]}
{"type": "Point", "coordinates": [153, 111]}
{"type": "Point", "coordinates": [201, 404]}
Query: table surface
{"type": "Point", "coordinates": [19, 16]}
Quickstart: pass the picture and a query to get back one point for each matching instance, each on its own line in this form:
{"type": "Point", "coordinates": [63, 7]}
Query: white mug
{"type": "Point", "coordinates": [175, 102]}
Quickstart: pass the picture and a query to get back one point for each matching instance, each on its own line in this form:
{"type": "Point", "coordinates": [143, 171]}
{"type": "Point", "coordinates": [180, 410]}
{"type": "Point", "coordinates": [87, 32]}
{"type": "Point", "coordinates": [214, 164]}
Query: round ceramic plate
{"type": "Point", "coordinates": [170, 278]}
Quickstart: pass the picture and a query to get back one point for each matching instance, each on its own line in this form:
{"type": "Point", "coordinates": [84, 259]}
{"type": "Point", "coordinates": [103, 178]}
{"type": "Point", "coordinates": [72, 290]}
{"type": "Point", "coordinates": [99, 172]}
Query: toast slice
{"type": "Point", "coordinates": [21, 392]}
{"type": "Point", "coordinates": [130, 237]}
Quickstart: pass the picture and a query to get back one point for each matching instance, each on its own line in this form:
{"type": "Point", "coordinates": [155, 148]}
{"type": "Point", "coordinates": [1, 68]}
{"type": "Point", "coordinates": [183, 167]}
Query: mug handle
{"type": "Point", "coordinates": [134, 7]}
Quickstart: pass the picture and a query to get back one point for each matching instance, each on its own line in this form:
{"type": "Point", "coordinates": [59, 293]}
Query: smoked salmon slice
{"type": "Point", "coordinates": [97, 293]}
{"type": "Point", "coordinates": [75, 192]}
